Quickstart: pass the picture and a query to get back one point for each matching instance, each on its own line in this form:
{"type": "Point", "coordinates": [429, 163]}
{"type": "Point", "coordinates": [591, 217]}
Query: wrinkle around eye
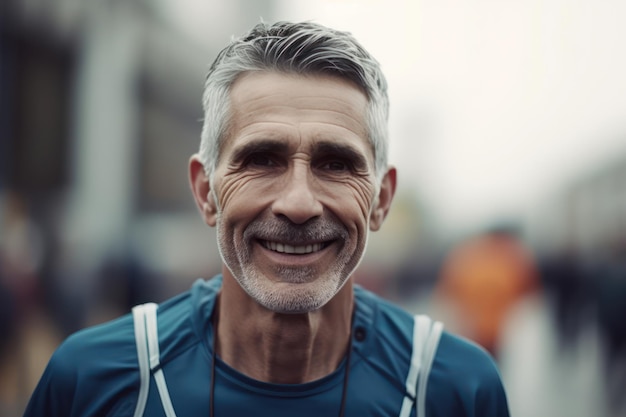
{"type": "Point", "coordinates": [345, 170]}
{"type": "Point", "coordinates": [260, 161]}
{"type": "Point", "coordinates": [255, 165]}
{"type": "Point", "coordinates": [336, 166]}
{"type": "Point", "coordinates": [236, 181]}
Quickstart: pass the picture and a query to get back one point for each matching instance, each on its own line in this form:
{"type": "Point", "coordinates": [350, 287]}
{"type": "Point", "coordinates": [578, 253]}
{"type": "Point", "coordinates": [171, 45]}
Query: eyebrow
{"type": "Point", "coordinates": [326, 148]}
{"type": "Point", "coordinates": [260, 146]}
{"type": "Point", "coordinates": [321, 149]}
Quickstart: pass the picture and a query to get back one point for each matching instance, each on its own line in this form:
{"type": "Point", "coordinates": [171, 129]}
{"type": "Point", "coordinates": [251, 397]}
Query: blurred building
{"type": "Point", "coordinates": [100, 109]}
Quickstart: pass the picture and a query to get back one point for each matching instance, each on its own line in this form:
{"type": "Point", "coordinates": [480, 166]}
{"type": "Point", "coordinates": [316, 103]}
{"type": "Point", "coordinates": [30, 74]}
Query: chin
{"type": "Point", "coordinates": [292, 298]}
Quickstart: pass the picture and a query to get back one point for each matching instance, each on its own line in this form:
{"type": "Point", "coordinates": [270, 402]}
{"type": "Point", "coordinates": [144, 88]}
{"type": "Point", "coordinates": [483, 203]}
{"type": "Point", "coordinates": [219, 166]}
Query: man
{"type": "Point", "coordinates": [292, 172]}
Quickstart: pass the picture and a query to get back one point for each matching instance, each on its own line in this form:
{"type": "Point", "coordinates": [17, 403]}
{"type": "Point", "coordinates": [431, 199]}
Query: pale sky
{"type": "Point", "coordinates": [495, 104]}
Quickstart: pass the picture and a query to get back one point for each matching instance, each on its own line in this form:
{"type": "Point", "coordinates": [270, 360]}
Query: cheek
{"type": "Point", "coordinates": [363, 195]}
{"type": "Point", "coordinates": [352, 205]}
{"type": "Point", "coordinates": [239, 197]}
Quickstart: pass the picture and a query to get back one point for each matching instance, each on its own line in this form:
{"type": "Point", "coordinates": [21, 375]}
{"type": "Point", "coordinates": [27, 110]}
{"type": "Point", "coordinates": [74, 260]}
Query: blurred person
{"type": "Point", "coordinates": [570, 293]}
{"type": "Point", "coordinates": [8, 330]}
{"type": "Point", "coordinates": [610, 282]}
{"type": "Point", "coordinates": [481, 281]}
{"type": "Point", "coordinates": [292, 172]}
{"type": "Point", "coordinates": [27, 333]}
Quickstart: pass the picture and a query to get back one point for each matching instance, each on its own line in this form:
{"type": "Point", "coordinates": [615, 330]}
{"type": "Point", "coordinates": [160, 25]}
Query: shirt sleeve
{"type": "Point", "coordinates": [465, 382]}
{"type": "Point", "coordinates": [490, 396]}
{"type": "Point", "coordinates": [93, 373]}
{"type": "Point", "coordinates": [54, 393]}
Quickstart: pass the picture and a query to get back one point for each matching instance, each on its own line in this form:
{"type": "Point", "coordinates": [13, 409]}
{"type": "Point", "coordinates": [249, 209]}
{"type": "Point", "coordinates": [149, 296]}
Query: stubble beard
{"type": "Point", "coordinates": [306, 290]}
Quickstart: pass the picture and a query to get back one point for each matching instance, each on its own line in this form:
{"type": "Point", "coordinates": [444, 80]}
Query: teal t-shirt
{"type": "Point", "coordinates": [95, 371]}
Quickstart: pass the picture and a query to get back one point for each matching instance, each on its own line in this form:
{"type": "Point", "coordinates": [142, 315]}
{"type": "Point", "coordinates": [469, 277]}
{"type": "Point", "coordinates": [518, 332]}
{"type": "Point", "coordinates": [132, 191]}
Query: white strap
{"type": "Point", "coordinates": [150, 355]}
{"type": "Point", "coordinates": [425, 341]}
{"type": "Point", "coordinates": [142, 358]}
{"type": "Point", "coordinates": [427, 364]}
{"type": "Point", "coordinates": [152, 333]}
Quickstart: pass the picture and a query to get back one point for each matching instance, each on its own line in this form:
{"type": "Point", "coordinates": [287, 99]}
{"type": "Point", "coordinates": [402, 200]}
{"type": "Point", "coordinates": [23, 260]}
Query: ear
{"type": "Point", "coordinates": [383, 200]}
{"type": "Point", "coordinates": [201, 189]}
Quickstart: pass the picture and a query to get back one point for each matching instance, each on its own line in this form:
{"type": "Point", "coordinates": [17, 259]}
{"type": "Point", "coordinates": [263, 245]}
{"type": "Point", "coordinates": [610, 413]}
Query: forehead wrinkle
{"type": "Point", "coordinates": [308, 113]}
{"type": "Point", "coordinates": [302, 104]}
{"type": "Point", "coordinates": [340, 102]}
{"type": "Point", "coordinates": [301, 114]}
{"type": "Point", "coordinates": [268, 132]}
{"type": "Point", "coordinates": [325, 133]}
{"type": "Point", "coordinates": [318, 130]}
{"type": "Point", "coordinates": [354, 114]}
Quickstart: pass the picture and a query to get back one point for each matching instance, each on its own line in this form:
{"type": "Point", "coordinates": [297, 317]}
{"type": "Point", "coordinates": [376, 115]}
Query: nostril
{"type": "Point", "coordinates": [298, 205]}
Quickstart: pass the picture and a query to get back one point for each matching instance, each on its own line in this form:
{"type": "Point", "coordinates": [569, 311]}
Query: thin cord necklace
{"type": "Point", "coordinates": [346, 376]}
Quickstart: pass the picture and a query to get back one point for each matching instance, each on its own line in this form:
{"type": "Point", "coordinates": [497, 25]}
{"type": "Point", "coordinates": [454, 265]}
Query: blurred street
{"type": "Point", "coordinates": [507, 126]}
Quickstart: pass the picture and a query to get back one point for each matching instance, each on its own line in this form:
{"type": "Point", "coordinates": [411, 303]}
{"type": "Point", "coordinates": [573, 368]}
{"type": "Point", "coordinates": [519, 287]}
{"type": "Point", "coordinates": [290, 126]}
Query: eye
{"type": "Point", "coordinates": [261, 160]}
{"type": "Point", "coordinates": [335, 166]}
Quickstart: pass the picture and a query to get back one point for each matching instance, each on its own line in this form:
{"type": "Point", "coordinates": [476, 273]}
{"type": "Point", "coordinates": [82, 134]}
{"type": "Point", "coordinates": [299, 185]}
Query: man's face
{"type": "Point", "coordinates": [295, 188]}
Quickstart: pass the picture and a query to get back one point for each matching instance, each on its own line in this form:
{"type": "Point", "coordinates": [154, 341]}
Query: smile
{"type": "Point", "coordinates": [293, 249]}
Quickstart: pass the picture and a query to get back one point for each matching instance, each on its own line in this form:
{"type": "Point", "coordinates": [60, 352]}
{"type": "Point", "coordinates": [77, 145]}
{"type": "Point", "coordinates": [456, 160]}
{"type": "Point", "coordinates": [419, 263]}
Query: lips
{"type": "Point", "coordinates": [293, 249]}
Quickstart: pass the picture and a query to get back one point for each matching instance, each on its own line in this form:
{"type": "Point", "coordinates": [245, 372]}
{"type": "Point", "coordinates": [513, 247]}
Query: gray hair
{"type": "Point", "coordinates": [300, 48]}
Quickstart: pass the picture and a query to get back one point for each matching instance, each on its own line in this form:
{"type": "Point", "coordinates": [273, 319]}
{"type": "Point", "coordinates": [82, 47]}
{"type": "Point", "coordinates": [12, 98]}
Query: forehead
{"type": "Point", "coordinates": [261, 84]}
{"type": "Point", "coordinates": [280, 104]}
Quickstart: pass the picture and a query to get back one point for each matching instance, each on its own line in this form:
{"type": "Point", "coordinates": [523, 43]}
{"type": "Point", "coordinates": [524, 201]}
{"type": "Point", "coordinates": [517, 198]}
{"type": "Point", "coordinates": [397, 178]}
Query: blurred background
{"type": "Point", "coordinates": [507, 126]}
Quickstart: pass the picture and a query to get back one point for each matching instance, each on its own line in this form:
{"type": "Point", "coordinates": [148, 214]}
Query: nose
{"type": "Point", "coordinates": [297, 199]}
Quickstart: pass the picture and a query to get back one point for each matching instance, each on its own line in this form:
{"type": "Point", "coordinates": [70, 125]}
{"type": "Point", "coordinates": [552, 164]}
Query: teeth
{"type": "Point", "coordinates": [285, 248]}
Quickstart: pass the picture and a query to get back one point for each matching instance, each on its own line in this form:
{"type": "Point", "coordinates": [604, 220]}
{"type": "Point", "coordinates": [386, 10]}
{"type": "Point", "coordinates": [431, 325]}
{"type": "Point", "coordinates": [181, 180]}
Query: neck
{"type": "Point", "coordinates": [282, 348]}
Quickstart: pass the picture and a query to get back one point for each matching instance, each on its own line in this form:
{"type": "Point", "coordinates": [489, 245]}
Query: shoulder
{"type": "Point", "coordinates": [87, 371]}
{"type": "Point", "coordinates": [96, 369]}
{"type": "Point", "coordinates": [460, 358]}
{"type": "Point", "coordinates": [111, 346]}
{"type": "Point", "coordinates": [102, 346]}
{"type": "Point", "coordinates": [465, 377]}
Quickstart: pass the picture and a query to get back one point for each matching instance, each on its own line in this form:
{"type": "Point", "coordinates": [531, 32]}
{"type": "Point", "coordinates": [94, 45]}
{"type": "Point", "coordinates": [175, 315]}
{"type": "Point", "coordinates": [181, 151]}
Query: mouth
{"type": "Point", "coordinates": [293, 249]}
